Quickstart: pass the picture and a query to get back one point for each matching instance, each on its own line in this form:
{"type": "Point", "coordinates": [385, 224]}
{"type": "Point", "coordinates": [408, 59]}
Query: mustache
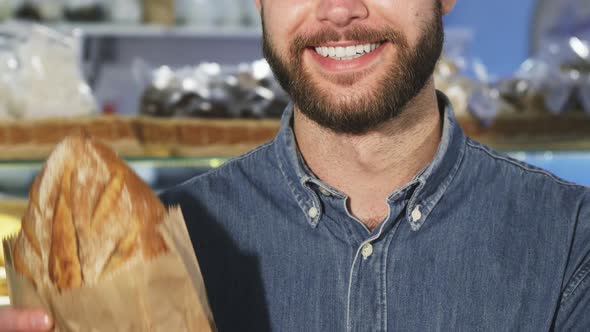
{"type": "Point", "coordinates": [358, 33]}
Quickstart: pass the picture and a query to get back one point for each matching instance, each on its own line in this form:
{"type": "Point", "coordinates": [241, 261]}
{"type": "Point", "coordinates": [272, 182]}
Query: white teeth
{"type": "Point", "coordinates": [350, 50]}
{"type": "Point", "coordinates": [346, 53]}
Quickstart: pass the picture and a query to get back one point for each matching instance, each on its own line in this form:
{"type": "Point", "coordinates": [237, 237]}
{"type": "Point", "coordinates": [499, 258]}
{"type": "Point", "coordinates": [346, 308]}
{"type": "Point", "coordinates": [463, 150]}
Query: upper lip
{"type": "Point", "coordinates": [346, 43]}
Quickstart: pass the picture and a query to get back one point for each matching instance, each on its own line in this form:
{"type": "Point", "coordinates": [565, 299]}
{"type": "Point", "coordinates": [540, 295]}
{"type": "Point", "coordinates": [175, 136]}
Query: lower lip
{"type": "Point", "coordinates": [333, 65]}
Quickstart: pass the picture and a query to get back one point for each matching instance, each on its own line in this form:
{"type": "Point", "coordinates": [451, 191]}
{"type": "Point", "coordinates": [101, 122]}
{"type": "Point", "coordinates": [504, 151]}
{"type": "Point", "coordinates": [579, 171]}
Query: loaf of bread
{"type": "Point", "coordinates": [88, 215]}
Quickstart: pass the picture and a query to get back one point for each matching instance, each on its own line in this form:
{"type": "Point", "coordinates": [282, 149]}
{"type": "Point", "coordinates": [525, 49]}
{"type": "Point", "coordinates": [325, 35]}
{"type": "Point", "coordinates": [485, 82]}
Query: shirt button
{"type": "Point", "coordinates": [416, 214]}
{"type": "Point", "coordinates": [325, 192]}
{"type": "Point", "coordinates": [313, 212]}
{"type": "Point", "coordinates": [367, 250]}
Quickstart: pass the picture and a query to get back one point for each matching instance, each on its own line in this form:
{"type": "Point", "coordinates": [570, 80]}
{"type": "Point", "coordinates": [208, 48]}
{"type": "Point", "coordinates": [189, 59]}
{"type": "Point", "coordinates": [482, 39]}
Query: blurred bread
{"type": "Point", "coordinates": [88, 215]}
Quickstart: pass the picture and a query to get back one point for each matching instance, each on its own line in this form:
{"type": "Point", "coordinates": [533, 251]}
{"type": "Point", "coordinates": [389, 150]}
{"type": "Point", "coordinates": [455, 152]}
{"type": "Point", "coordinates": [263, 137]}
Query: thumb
{"type": "Point", "coordinates": [24, 320]}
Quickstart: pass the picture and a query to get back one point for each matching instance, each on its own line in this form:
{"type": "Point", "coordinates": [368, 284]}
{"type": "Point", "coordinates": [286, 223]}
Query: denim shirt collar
{"type": "Point", "coordinates": [429, 184]}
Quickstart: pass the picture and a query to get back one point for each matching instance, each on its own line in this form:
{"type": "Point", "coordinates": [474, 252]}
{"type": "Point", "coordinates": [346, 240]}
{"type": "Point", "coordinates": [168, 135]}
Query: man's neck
{"type": "Point", "coordinates": [369, 167]}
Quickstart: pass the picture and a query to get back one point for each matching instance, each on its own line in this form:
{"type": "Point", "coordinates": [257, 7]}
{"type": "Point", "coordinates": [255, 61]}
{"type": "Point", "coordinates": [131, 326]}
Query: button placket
{"type": "Point", "coordinates": [368, 274]}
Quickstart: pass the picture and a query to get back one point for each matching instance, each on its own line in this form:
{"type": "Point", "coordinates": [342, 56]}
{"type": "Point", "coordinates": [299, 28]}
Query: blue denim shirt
{"type": "Point", "coordinates": [475, 242]}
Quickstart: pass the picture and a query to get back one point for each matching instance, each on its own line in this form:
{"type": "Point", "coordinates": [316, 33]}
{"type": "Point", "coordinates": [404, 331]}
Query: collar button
{"type": "Point", "coordinates": [325, 192]}
{"type": "Point", "coordinates": [416, 214]}
{"type": "Point", "coordinates": [313, 212]}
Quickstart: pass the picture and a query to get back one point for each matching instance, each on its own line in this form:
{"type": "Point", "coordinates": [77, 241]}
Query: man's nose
{"type": "Point", "coordinates": [341, 13]}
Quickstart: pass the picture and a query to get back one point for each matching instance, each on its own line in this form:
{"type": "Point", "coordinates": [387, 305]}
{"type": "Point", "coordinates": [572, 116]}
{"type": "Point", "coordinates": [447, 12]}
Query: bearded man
{"type": "Point", "coordinates": [371, 210]}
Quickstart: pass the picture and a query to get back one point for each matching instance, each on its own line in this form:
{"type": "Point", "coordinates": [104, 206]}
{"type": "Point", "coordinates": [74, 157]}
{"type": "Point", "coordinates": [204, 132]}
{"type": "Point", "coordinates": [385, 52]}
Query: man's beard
{"type": "Point", "coordinates": [403, 80]}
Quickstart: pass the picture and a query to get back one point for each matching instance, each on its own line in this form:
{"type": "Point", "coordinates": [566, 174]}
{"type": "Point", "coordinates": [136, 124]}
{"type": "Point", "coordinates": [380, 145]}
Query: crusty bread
{"type": "Point", "coordinates": [88, 214]}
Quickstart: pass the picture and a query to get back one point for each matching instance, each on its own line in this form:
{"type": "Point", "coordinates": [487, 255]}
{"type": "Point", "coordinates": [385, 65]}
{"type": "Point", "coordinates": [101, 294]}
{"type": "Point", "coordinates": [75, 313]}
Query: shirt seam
{"type": "Point", "coordinates": [576, 283]}
{"type": "Point", "coordinates": [478, 146]}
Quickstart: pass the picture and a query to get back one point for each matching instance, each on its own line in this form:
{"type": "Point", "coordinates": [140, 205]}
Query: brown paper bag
{"type": "Point", "coordinates": [163, 294]}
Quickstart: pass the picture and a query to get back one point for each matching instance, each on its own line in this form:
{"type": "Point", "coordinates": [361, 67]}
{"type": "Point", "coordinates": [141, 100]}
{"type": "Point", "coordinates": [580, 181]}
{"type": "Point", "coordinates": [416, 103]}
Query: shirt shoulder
{"type": "Point", "coordinates": [553, 200]}
{"type": "Point", "coordinates": [251, 158]}
{"type": "Point", "coordinates": [515, 167]}
{"type": "Point", "coordinates": [233, 171]}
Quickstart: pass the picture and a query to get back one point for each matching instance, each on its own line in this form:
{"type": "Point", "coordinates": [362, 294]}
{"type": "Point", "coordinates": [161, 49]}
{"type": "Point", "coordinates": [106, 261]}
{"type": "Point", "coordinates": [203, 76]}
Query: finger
{"type": "Point", "coordinates": [30, 320]}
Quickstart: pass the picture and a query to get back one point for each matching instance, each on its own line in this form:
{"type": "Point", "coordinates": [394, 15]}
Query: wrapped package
{"type": "Point", "coordinates": [543, 105]}
{"type": "Point", "coordinates": [208, 110]}
{"type": "Point", "coordinates": [99, 252]}
{"type": "Point", "coordinates": [85, 10]}
{"type": "Point", "coordinates": [458, 87]}
{"type": "Point", "coordinates": [41, 76]}
{"type": "Point", "coordinates": [458, 75]}
{"type": "Point", "coordinates": [44, 97]}
{"type": "Point", "coordinates": [554, 80]}
{"type": "Point", "coordinates": [210, 90]}
{"type": "Point", "coordinates": [159, 12]}
{"type": "Point", "coordinates": [38, 10]}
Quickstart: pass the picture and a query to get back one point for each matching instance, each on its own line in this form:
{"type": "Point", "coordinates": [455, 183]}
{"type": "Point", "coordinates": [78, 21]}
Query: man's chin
{"type": "Point", "coordinates": [343, 119]}
{"type": "Point", "coordinates": [339, 106]}
{"type": "Point", "coordinates": [337, 98]}
{"type": "Point", "coordinates": [349, 80]}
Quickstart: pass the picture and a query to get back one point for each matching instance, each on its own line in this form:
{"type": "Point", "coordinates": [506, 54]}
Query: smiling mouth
{"type": "Point", "coordinates": [346, 52]}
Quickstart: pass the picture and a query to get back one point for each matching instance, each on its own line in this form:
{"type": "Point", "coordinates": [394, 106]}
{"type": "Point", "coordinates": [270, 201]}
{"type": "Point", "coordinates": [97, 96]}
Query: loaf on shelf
{"type": "Point", "coordinates": [204, 137]}
{"type": "Point", "coordinates": [138, 136]}
{"type": "Point", "coordinates": [34, 139]}
{"type": "Point", "coordinates": [531, 130]}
